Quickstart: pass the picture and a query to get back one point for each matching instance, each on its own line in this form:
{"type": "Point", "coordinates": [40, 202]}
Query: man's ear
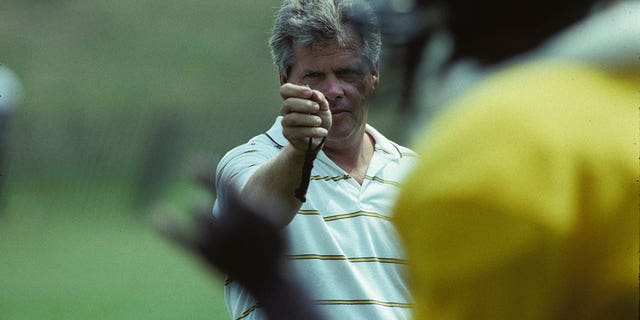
{"type": "Point", "coordinates": [375, 76]}
{"type": "Point", "coordinates": [283, 78]}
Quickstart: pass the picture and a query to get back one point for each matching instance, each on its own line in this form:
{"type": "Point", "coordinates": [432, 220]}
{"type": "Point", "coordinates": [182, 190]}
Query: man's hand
{"type": "Point", "coordinates": [305, 114]}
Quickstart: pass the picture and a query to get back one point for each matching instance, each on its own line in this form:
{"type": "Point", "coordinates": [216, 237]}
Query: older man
{"type": "Point", "coordinates": [342, 245]}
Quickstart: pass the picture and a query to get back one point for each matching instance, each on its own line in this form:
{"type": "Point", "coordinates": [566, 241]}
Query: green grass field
{"type": "Point", "coordinates": [79, 255]}
{"type": "Point", "coordinates": [99, 77]}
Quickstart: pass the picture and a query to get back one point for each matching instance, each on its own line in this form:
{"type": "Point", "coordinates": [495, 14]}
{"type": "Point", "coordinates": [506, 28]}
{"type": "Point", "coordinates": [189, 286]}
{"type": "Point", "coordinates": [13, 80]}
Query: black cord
{"type": "Point", "coordinates": [309, 156]}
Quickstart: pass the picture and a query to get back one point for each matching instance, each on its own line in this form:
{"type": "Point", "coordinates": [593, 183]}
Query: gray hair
{"type": "Point", "coordinates": [306, 22]}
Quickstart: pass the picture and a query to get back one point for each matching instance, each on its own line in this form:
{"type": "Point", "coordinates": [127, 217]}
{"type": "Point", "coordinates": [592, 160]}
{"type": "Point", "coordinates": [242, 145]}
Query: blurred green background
{"type": "Point", "coordinates": [119, 98]}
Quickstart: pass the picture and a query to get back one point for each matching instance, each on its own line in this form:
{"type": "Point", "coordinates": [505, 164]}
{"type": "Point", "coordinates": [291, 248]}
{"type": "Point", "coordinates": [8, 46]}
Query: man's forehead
{"type": "Point", "coordinates": [347, 53]}
{"type": "Point", "coordinates": [349, 41]}
{"type": "Point", "coordinates": [328, 48]}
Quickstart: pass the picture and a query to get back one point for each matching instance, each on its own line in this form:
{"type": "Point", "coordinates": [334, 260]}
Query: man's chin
{"type": "Point", "coordinates": [338, 138]}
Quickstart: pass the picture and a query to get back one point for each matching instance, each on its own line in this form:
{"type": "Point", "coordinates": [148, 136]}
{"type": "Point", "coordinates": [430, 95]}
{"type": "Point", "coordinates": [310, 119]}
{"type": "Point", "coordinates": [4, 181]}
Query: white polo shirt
{"type": "Point", "coordinates": [342, 244]}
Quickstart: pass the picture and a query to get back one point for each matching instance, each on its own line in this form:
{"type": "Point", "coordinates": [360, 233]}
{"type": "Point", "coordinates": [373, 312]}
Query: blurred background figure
{"type": "Point", "coordinates": [247, 248]}
{"type": "Point", "coordinates": [10, 98]}
{"type": "Point", "coordinates": [525, 203]}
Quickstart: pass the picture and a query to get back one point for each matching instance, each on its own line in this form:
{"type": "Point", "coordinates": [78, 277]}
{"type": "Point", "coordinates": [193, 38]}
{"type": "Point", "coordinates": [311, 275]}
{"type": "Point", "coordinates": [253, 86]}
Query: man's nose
{"type": "Point", "coordinates": [332, 88]}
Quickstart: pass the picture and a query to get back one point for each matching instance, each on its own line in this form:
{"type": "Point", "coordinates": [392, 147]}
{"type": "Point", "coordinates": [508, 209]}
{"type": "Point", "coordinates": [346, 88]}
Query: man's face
{"type": "Point", "coordinates": [346, 79]}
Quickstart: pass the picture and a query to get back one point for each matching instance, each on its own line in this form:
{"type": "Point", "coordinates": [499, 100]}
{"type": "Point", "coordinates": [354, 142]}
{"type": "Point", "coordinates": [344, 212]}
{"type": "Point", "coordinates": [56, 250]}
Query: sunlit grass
{"type": "Point", "coordinates": [70, 256]}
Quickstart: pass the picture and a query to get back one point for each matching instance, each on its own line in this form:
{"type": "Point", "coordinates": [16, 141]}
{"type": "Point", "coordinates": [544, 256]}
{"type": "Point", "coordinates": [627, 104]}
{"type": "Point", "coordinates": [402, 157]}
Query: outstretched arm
{"type": "Point", "coordinates": [306, 115]}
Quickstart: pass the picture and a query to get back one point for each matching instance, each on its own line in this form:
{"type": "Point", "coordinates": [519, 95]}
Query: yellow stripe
{"type": "Point", "coordinates": [340, 302]}
{"type": "Point", "coordinates": [309, 212]}
{"type": "Point", "coordinates": [380, 260]}
{"type": "Point", "coordinates": [384, 150]}
{"type": "Point", "coordinates": [327, 178]}
{"type": "Point", "coordinates": [344, 258]}
{"type": "Point", "coordinates": [344, 216]}
{"type": "Point", "coordinates": [405, 154]}
{"type": "Point", "coordinates": [356, 214]}
{"type": "Point", "coordinates": [364, 302]}
{"type": "Point", "coordinates": [393, 183]}
{"type": "Point", "coordinates": [346, 177]}
{"type": "Point", "coordinates": [316, 256]}
{"type": "Point", "coordinates": [248, 312]}
{"type": "Point", "coordinates": [229, 161]}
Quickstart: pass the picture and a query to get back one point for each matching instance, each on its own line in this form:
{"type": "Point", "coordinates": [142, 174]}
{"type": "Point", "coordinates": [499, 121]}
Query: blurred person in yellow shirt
{"type": "Point", "coordinates": [525, 204]}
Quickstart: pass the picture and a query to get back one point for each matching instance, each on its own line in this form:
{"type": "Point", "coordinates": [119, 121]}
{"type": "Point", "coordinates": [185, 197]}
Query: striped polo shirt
{"type": "Point", "coordinates": [342, 244]}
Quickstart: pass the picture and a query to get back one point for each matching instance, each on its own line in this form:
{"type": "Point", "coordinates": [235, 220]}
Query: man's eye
{"type": "Point", "coordinates": [349, 74]}
{"type": "Point", "coordinates": [313, 75]}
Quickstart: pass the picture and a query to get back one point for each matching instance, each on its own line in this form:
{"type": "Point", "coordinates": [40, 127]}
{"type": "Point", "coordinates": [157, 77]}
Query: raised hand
{"type": "Point", "coordinates": [305, 115]}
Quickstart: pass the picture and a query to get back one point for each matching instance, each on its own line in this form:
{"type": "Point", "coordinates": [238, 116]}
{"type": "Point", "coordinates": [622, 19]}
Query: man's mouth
{"type": "Point", "coordinates": [338, 114]}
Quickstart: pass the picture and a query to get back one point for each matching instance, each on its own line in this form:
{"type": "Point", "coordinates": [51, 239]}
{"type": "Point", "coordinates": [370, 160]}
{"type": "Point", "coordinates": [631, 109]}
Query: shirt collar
{"type": "Point", "coordinates": [382, 143]}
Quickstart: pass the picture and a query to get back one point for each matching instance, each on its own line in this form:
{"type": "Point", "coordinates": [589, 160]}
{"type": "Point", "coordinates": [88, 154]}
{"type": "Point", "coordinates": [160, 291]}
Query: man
{"type": "Point", "coordinates": [342, 245]}
{"type": "Point", "coordinates": [525, 203]}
